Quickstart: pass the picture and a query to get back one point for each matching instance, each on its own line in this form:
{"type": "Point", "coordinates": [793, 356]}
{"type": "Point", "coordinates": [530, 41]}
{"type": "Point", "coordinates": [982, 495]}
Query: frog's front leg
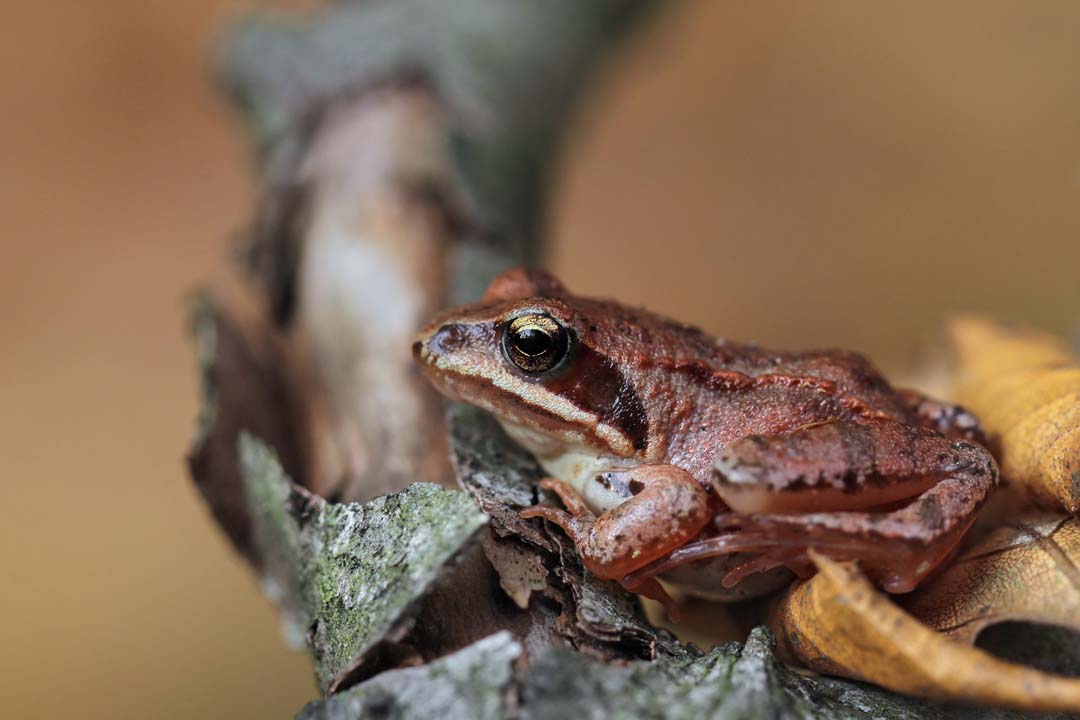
{"type": "Point", "coordinates": [667, 509]}
{"type": "Point", "coordinates": [895, 497]}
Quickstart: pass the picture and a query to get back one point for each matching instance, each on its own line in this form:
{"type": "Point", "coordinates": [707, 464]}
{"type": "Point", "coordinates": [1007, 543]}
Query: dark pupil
{"type": "Point", "coordinates": [533, 341]}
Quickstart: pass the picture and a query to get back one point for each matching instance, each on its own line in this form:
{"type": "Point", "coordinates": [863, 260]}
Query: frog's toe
{"type": "Point", "coordinates": [794, 560]}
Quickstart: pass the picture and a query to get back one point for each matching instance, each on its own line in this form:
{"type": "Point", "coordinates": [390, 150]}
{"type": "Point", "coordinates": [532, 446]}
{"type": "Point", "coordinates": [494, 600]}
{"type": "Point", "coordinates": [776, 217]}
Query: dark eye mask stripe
{"type": "Point", "coordinates": [594, 384]}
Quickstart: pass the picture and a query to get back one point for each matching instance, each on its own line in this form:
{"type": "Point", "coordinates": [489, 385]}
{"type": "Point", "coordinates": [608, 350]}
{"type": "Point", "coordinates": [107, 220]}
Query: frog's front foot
{"type": "Point", "coordinates": [669, 509]}
{"type": "Point", "coordinates": [577, 524]}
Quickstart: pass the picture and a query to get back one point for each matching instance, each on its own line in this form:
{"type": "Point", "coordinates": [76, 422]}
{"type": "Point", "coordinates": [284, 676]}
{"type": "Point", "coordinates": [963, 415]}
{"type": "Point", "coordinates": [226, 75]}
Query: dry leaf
{"type": "Point", "coordinates": [1027, 570]}
{"type": "Point", "coordinates": [1025, 388]}
{"type": "Point", "coordinates": [838, 623]}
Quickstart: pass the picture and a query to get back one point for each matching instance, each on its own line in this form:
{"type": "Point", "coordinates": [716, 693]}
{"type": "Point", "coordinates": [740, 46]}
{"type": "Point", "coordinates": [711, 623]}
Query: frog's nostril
{"type": "Point", "coordinates": [417, 348]}
{"type": "Point", "coordinates": [447, 339]}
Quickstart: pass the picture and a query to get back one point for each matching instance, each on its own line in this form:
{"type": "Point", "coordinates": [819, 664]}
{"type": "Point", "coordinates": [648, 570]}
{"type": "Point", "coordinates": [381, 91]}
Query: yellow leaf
{"type": "Point", "coordinates": [1027, 570]}
{"type": "Point", "coordinates": [1025, 388]}
{"type": "Point", "coordinates": [838, 623]}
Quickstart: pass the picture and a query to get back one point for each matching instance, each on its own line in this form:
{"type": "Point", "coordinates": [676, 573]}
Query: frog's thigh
{"type": "Point", "coordinates": [897, 548]}
{"type": "Point", "coordinates": [831, 467]}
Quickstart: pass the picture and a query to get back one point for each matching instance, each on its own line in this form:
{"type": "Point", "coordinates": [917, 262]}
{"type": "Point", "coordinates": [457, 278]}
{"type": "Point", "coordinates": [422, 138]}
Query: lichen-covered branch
{"type": "Point", "coordinates": [353, 575]}
{"type": "Point", "coordinates": [476, 682]}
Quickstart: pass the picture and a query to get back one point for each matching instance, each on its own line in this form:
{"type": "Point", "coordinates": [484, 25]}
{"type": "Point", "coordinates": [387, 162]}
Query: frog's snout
{"type": "Point", "coordinates": [440, 341]}
{"type": "Point", "coordinates": [422, 349]}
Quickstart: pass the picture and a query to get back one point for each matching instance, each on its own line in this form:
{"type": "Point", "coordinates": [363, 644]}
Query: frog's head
{"type": "Point", "coordinates": [535, 356]}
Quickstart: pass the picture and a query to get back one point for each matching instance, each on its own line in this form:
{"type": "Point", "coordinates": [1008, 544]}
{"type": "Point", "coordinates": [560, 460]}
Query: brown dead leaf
{"type": "Point", "coordinates": [1027, 570]}
{"type": "Point", "coordinates": [838, 623]}
{"type": "Point", "coordinates": [1025, 388]}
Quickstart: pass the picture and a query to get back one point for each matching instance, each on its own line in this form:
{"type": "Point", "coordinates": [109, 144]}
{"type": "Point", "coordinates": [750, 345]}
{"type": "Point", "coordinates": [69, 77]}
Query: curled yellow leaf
{"type": "Point", "coordinates": [838, 623]}
{"type": "Point", "coordinates": [1026, 570]}
{"type": "Point", "coordinates": [1025, 388]}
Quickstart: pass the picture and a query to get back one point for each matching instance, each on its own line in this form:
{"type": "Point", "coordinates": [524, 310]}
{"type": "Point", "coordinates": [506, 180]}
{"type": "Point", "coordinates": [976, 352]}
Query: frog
{"type": "Point", "coordinates": [680, 456]}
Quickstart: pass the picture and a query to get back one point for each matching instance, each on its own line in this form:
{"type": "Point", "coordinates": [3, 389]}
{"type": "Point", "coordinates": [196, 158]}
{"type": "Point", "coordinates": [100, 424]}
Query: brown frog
{"type": "Point", "coordinates": [669, 447]}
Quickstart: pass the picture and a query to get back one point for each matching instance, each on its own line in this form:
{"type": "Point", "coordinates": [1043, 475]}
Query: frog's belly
{"type": "Point", "coordinates": [579, 466]}
{"type": "Point", "coordinates": [586, 473]}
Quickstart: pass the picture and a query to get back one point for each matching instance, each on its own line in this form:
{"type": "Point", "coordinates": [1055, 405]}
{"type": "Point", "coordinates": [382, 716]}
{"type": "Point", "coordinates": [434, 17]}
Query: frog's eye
{"type": "Point", "coordinates": [535, 343]}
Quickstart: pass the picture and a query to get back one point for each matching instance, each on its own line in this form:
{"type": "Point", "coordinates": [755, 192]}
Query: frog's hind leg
{"type": "Point", "coordinates": [824, 487]}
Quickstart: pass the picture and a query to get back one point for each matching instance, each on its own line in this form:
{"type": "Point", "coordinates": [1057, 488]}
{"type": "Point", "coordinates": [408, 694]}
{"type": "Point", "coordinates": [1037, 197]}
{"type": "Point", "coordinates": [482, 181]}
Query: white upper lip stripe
{"type": "Point", "coordinates": [551, 403]}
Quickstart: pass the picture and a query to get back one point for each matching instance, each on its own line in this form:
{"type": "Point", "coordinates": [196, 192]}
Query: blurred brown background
{"type": "Point", "coordinates": [827, 174]}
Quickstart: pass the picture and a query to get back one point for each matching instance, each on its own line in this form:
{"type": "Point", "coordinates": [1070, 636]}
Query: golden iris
{"type": "Point", "coordinates": [535, 343]}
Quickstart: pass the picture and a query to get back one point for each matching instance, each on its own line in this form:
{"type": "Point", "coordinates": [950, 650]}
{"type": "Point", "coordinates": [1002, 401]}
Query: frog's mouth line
{"type": "Point", "coordinates": [487, 395]}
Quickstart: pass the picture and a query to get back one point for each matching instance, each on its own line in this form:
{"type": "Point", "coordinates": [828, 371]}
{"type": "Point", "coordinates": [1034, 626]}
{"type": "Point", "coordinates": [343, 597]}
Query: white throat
{"type": "Point", "coordinates": [578, 465]}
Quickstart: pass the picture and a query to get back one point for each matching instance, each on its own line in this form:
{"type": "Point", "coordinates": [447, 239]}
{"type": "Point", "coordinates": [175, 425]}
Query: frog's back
{"type": "Point", "coordinates": [648, 340]}
{"type": "Point", "coordinates": [844, 374]}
